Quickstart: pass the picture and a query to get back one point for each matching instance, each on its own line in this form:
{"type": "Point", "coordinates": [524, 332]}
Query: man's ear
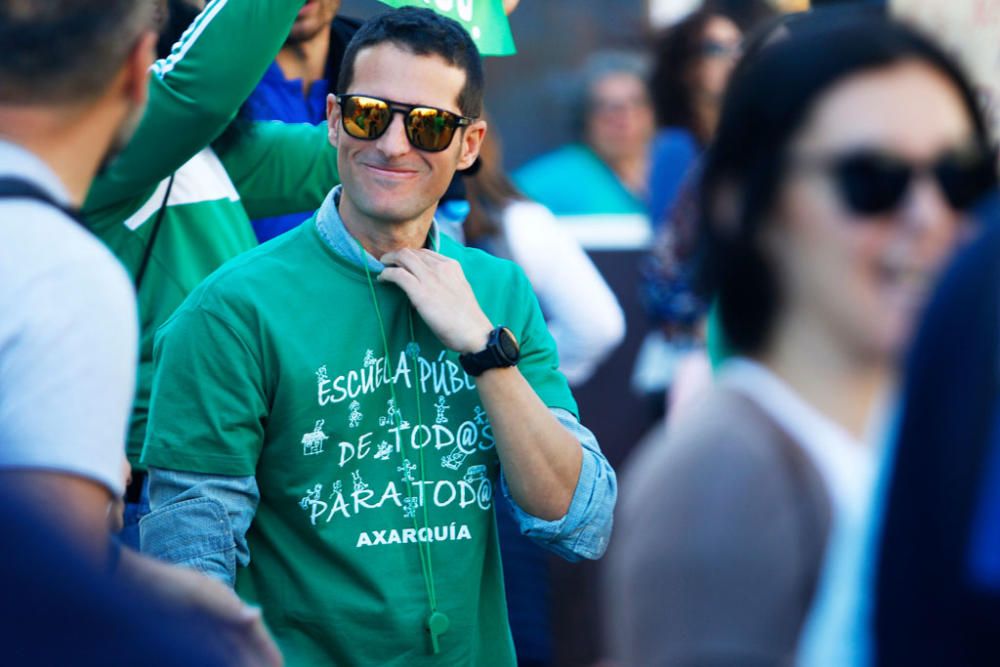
{"type": "Point", "coordinates": [332, 119]}
{"type": "Point", "coordinates": [136, 69]}
{"type": "Point", "coordinates": [472, 141]}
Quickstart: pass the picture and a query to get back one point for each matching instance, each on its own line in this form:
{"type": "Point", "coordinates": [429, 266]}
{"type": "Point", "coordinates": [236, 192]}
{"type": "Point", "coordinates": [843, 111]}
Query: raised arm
{"type": "Point", "coordinates": [195, 92]}
{"type": "Point", "coordinates": [282, 168]}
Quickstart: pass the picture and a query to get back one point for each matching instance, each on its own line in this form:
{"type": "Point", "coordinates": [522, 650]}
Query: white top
{"type": "Point", "coordinates": [582, 312]}
{"type": "Point", "coordinates": [68, 337]}
{"type": "Point", "coordinates": [609, 231]}
{"type": "Point", "coordinates": [848, 467]}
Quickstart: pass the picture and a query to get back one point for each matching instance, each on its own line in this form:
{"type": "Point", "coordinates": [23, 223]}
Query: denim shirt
{"type": "Point", "coordinates": [201, 520]}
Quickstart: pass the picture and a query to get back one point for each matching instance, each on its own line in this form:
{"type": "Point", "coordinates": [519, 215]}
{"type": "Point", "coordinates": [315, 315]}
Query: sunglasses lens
{"type": "Point", "coordinates": [430, 129]}
{"type": "Point", "coordinates": [872, 184]}
{"type": "Point", "coordinates": [966, 179]}
{"type": "Point", "coordinates": [365, 117]}
{"type": "Point", "coordinates": [719, 50]}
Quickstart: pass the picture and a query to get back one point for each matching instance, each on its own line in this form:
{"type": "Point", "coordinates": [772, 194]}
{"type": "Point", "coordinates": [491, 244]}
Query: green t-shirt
{"type": "Point", "coordinates": [274, 367]}
{"type": "Point", "coordinates": [276, 168]}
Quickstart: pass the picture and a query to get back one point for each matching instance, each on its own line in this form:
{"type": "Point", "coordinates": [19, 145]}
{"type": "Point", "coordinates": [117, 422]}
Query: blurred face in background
{"type": "Point", "coordinates": [620, 120]}
{"type": "Point", "coordinates": [860, 278]}
{"type": "Point", "coordinates": [720, 49]}
{"type": "Point", "coordinates": [313, 17]}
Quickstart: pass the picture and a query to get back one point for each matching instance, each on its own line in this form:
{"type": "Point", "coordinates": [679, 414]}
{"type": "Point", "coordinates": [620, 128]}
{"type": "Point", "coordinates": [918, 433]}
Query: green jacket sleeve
{"type": "Point", "coordinates": [193, 95]}
{"type": "Point", "coordinates": [281, 168]}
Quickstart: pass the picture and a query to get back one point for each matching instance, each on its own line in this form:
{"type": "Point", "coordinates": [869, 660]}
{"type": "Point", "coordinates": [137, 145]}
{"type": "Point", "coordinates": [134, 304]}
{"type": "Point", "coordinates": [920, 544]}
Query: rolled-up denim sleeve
{"type": "Point", "coordinates": [199, 521]}
{"type": "Point", "coordinates": [586, 528]}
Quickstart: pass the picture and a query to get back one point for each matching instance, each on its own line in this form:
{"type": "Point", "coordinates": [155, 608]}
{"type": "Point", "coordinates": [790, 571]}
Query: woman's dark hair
{"type": "Point", "coordinates": [677, 50]}
{"type": "Point", "coordinates": [490, 191]}
{"type": "Point", "coordinates": [178, 16]}
{"type": "Point", "coordinates": [770, 96]}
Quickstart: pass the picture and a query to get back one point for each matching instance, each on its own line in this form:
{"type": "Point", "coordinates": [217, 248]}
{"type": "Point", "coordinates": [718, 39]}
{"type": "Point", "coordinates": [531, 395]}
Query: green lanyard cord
{"type": "Point", "coordinates": [426, 565]}
{"type": "Point", "coordinates": [432, 592]}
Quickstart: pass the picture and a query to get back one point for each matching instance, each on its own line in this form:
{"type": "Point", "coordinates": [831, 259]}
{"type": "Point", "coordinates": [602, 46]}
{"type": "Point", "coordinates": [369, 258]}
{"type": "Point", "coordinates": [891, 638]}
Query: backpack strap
{"type": "Point", "coordinates": [18, 188]}
{"type": "Point", "coordinates": [148, 250]}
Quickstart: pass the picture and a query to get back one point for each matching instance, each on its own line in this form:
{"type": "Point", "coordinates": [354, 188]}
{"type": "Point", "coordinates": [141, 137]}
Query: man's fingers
{"type": "Point", "coordinates": [259, 641]}
{"type": "Point", "coordinates": [126, 471]}
{"type": "Point", "coordinates": [430, 257]}
{"type": "Point", "coordinates": [406, 258]}
{"type": "Point", "coordinates": [116, 514]}
{"type": "Point", "coordinates": [401, 277]}
{"type": "Point", "coordinates": [266, 647]}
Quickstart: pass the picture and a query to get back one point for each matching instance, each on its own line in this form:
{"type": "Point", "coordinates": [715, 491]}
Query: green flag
{"type": "Point", "coordinates": [484, 19]}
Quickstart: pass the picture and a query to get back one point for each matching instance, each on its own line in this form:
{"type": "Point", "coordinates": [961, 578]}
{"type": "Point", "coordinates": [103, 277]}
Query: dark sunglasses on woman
{"type": "Point", "coordinates": [427, 128]}
{"type": "Point", "coordinates": [873, 181]}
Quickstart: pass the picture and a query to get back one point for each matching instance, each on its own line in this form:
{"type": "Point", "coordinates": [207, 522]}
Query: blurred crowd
{"type": "Point", "coordinates": [296, 368]}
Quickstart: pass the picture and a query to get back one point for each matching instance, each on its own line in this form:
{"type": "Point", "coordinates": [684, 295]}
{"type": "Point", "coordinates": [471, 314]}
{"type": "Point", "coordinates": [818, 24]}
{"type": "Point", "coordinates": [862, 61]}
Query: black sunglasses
{"type": "Point", "coordinates": [713, 49]}
{"type": "Point", "coordinates": [873, 182]}
{"type": "Point", "coordinates": [427, 128]}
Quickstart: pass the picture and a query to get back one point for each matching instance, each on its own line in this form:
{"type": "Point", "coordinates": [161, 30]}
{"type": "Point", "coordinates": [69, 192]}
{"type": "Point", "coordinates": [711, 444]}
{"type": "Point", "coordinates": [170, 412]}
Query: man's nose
{"type": "Point", "coordinates": [393, 141]}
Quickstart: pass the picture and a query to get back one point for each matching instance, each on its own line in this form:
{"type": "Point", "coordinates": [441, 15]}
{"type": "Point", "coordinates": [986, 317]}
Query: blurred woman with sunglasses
{"type": "Point", "coordinates": [694, 60]}
{"type": "Point", "coordinates": [845, 158]}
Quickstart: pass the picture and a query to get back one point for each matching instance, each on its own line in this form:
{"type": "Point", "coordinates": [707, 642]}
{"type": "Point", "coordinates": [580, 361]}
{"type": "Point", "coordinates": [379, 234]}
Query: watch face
{"type": "Point", "coordinates": [508, 345]}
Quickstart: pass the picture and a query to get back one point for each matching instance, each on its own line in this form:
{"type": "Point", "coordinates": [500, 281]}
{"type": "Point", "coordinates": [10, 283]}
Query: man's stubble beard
{"type": "Point", "coordinates": [121, 138]}
{"type": "Point", "coordinates": [297, 38]}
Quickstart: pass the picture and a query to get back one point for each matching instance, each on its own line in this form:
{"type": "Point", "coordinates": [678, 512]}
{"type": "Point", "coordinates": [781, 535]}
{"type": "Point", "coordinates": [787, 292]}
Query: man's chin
{"type": "Point", "coordinates": [121, 139]}
{"type": "Point", "coordinates": [304, 31]}
{"type": "Point", "coordinates": [391, 216]}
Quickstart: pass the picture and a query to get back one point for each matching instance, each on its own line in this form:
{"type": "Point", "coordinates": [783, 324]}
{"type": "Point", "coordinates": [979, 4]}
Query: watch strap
{"type": "Point", "coordinates": [477, 363]}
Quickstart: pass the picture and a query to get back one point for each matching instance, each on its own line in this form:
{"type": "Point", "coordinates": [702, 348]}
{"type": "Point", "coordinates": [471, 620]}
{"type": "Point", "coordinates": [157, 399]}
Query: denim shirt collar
{"type": "Point", "coordinates": [334, 233]}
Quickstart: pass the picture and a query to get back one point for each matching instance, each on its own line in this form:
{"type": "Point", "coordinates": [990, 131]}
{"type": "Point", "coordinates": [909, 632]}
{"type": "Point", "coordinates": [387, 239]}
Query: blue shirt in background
{"type": "Point", "coordinates": [674, 152]}
{"type": "Point", "coordinates": [278, 98]}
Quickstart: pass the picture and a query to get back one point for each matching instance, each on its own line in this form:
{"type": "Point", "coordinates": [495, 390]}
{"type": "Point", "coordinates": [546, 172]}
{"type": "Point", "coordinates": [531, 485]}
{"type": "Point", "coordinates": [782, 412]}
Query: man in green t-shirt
{"type": "Point", "coordinates": [333, 412]}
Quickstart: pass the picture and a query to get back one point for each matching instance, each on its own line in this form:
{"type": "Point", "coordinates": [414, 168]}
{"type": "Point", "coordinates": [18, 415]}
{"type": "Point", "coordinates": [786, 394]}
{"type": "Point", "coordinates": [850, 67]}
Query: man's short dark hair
{"type": "Point", "coordinates": [59, 51]}
{"type": "Point", "coordinates": [422, 32]}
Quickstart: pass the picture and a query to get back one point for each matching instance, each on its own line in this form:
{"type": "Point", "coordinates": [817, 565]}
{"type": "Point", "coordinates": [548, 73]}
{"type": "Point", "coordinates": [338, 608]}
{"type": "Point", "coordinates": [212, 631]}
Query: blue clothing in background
{"type": "Point", "coordinates": [56, 608]}
{"type": "Point", "coordinates": [278, 98]}
{"type": "Point", "coordinates": [938, 575]}
{"type": "Point", "coordinates": [984, 551]}
{"type": "Point", "coordinates": [674, 152]}
{"type": "Point", "coordinates": [528, 588]}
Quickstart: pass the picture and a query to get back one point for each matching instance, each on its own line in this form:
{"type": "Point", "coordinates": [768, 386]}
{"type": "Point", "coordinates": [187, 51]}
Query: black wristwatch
{"type": "Point", "coordinates": [502, 351]}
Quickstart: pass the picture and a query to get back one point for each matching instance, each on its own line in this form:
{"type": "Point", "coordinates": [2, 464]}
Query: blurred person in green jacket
{"type": "Point", "coordinates": [177, 201]}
